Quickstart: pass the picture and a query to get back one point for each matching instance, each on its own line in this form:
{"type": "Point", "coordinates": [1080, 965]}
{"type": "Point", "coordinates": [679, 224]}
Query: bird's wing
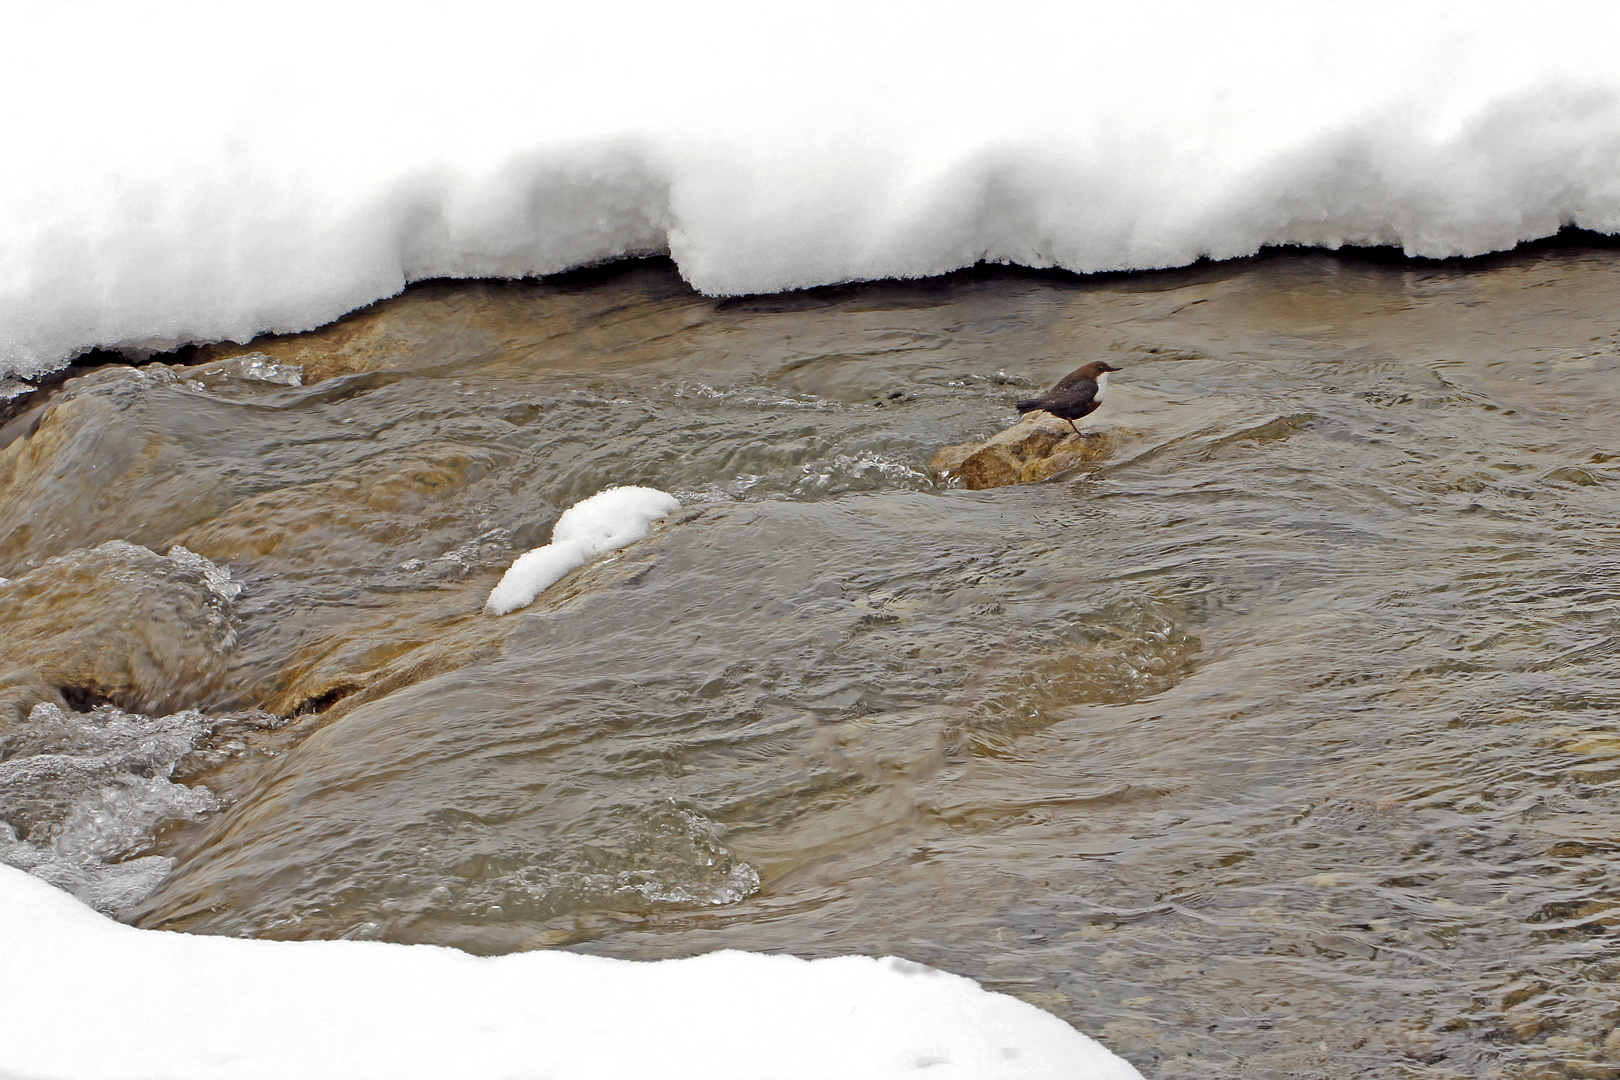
{"type": "Point", "coordinates": [1072, 406]}
{"type": "Point", "coordinates": [1074, 382]}
{"type": "Point", "coordinates": [1075, 393]}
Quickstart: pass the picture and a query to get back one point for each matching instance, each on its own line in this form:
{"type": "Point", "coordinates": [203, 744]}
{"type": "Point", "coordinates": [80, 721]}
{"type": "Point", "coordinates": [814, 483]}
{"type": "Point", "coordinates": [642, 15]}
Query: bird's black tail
{"type": "Point", "coordinates": [1028, 406]}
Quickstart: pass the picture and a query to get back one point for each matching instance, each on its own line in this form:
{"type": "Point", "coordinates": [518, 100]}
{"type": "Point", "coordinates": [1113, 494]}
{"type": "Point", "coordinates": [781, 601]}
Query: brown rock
{"type": "Point", "coordinates": [116, 623]}
{"type": "Point", "coordinates": [1525, 1023]}
{"type": "Point", "coordinates": [440, 325]}
{"type": "Point", "coordinates": [393, 648]}
{"type": "Point", "coordinates": [94, 462]}
{"type": "Point", "coordinates": [1035, 448]}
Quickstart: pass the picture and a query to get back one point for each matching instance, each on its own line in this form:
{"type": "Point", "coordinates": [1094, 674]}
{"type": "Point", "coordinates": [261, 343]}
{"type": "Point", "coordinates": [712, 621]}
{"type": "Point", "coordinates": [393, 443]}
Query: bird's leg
{"type": "Point", "coordinates": [1077, 431]}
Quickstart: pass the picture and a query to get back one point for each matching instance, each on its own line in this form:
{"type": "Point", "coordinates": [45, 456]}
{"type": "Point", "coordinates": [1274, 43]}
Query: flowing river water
{"type": "Point", "coordinates": [1279, 741]}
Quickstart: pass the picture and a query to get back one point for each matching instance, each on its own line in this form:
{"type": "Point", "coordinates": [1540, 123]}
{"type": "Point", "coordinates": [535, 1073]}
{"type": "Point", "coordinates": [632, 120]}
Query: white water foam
{"type": "Point", "coordinates": [82, 794]}
{"type": "Point", "coordinates": [341, 149]}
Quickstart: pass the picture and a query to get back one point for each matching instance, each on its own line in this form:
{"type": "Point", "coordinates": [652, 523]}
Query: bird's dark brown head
{"type": "Point", "coordinates": [1097, 367]}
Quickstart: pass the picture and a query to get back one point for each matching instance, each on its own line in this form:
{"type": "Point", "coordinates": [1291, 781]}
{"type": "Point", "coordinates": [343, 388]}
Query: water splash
{"type": "Point", "coordinates": [83, 794]}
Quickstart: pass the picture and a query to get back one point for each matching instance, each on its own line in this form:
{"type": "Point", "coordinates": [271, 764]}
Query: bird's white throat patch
{"type": "Point", "coordinates": [1102, 385]}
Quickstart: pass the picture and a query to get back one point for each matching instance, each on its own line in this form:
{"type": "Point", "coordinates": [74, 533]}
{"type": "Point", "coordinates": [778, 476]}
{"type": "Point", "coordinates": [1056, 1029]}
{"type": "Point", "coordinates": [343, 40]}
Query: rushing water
{"type": "Point", "coordinates": [1282, 743]}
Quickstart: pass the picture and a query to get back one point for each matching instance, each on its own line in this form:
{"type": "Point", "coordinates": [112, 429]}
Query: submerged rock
{"type": "Point", "coordinates": [1035, 448]}
{"type": "Point", "coordinates": [117, 623]}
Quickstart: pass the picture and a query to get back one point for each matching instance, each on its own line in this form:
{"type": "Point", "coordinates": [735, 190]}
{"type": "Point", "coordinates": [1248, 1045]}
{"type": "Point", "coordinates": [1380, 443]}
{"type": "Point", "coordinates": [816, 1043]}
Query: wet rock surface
{"type": "Point", "coordinates": [117, 623]}
{"type": "Point", "coordinates": [441, 324]}
{"type": "Point", "coordinates": [1036, 448]}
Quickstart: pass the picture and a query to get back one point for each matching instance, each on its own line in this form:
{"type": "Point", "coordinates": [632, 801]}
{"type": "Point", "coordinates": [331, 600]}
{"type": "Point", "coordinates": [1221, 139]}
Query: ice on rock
{"type": "Point", "coordinates": [254, 367]}
{"type": "Point", "coordinates": [605, 522]}
{"type": "Point", "coordinates": [762, 148]}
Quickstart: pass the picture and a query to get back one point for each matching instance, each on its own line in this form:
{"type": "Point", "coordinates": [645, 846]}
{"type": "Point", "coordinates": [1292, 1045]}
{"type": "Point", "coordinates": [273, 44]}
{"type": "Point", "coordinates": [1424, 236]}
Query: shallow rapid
{"type": "Point", "coordinates": [1282, 742]}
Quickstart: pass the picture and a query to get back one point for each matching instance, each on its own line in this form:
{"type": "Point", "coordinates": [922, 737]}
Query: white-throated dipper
{"type": "Point", "coordinates": [1077, 394]}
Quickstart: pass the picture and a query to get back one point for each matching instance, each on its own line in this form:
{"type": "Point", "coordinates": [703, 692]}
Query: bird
{"type": "Point", "coordinates": [1077, 394]}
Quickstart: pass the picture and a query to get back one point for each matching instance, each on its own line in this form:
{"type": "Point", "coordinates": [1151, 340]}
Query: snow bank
{"type": "Point", "coordinates": [605, 522]}
{"type": "Point", "coordinates": [273, 167]}
{"type": "Point", "coordinates": [87, 998]}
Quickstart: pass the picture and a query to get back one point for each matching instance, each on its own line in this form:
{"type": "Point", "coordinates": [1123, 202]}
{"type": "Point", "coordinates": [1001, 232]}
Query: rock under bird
{"type": "Point", "coordinates": [1077, 394]}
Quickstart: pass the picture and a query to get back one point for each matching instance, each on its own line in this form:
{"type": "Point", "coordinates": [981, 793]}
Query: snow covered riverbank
{"type": "Point", "coordinates": [88, 998]}
{"type": "Point", "coordinates": [271, 171]}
